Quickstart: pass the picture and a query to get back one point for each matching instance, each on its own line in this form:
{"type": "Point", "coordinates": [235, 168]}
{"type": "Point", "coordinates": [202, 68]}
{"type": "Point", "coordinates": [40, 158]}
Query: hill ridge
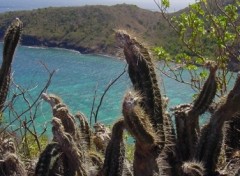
{"type": "Point", "coordinates": [88, 29]}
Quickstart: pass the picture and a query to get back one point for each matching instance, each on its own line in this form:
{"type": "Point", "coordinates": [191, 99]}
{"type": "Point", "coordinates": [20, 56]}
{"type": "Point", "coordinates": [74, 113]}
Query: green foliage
{"type": "Point", "coordinates": [130, 148]}
{"type": "Point", "coordinates": [29, 146]}
{"type": "Point", "coordinates": [165, 3]}
{"type": "Point", "coordinates": [1, 118]}
{"type": "Point", "coordinates": [161, 53]}
{"type": "Point", "coordinates": [207, 31]}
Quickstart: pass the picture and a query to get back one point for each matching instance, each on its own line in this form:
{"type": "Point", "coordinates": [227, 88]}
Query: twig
{"type": "Point", "coordinates": [93, 104]}
{"type": "Point", "coordinates": [163, 12]}
{"type": "Point", "coordinates": [105, 91]}
{"type": "Point", "coordinates": [51, 73]}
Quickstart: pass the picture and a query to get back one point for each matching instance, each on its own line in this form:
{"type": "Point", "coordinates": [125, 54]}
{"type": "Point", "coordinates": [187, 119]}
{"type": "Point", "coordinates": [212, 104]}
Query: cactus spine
{"type": "Point", "coordinates": [192, 169]}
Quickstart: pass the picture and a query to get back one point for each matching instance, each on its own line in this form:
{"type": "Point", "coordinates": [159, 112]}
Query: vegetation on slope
{"type": "Point", "coordinates": [90, 29]}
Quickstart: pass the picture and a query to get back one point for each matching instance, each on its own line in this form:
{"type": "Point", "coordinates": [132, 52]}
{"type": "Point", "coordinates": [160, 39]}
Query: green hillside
{"type": "Point", "coordinates": [90, 29]}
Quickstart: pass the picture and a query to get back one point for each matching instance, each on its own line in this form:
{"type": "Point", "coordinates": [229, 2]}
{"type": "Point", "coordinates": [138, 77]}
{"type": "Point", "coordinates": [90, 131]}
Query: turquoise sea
{"type": "Point", "coordinates": [75, 81]}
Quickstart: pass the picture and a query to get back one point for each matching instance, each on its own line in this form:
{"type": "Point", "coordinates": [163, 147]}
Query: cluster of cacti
{"type": "Point", "coordinates": [192, 150]}
{"type": "Point", "coordinates": [160, 148]}
{"type": "Point", "coordinates": [10, 163]}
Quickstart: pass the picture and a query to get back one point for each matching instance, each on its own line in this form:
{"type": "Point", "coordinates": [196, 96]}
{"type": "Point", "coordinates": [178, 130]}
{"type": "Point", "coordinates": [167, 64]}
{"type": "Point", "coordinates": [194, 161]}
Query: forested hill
{"type": "Point", "coordinates": [89, 29]}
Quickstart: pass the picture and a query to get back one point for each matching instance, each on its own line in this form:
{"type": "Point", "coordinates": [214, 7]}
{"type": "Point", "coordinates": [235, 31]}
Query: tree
{"type": "Point", "coordinates": [209, 32]}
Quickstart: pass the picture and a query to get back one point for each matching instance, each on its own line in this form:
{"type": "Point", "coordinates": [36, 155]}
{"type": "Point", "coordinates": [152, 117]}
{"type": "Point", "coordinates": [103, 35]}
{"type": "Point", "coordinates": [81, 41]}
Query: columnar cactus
{"type": "Point", "coordinates": [187, 117]}
{"type": "Point", "coordinates": [209, 146]}
{"type": "Point", "coordinates": [159, 150]}
{"type": "Point", "coordinates": [202, 146]}
{"type": "Point", "coordinates": [142, 74]}
{"type": "Point", "coordinates": [137, 121]}
{"type": "Point", "coordinates": [68, 146]}
{"type": "Point", "coordinates": [144, 115]}
{"type": "Point", "coordinates": [84, 128]}
{"type": "Point", "coordinates": [10, 163]}
{"type": "Point", "coordinates": [60, 110]}
{"type": "Point", "coordinates": [139, 126]}
{"type": "Point", "coordinates": [115, 152]}
{"type": "Point", "coordinates": [69, 151]}
{"type": "Point", "coordinates": [11, 39]}
{"type": "Point", "coordinates": [50, 161]}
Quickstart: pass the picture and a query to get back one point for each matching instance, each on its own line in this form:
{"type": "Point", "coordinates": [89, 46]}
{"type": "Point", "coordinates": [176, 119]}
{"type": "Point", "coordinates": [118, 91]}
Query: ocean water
{"type": "Point", "coordinates": [76, 78]}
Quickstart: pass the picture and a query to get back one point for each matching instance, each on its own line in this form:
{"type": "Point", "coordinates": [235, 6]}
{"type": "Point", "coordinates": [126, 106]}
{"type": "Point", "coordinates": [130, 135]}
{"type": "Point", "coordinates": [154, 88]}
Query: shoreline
{"type": "Point", "coordinates": [75, 50]}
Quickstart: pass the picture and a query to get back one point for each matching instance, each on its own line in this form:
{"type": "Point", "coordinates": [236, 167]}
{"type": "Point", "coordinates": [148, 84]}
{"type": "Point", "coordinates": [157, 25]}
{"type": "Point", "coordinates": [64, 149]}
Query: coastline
{"type": "Point", "coordinates": [73, 49]}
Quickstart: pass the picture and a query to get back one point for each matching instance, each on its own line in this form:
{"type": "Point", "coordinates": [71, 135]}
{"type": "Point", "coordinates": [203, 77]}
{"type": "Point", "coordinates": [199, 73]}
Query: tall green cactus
{"type": "Point", "coordinates": [68, 142]}
{"type": "Point", "coordinates": [11, 39]}
{"type": "Point", "coordinates": [137, 121]}
{"type": "Point", "coordinates": [51, 162]}
{"type": "Point", "coordinates": [84, 128]}
{"type": "Point", "coordinates": [144, 114]}
{"type": "Point", "coordinates": [208, 148]}
{"type": "Point", "coordinates": [138, 124]}
{"type": "Point", "coordinates": [115, 152]}
{"type": "Point", "coordinates": [60, 110]}
{"type": "Point", "coordinates": [187, 117]}
{"type": "Point", "coordinates": [10, 162]}
{"type": "Point", "coordinates": [150, 130]}
{"type": "Point", "coordinates": [74, 155]}
{"type": "Point", "coordinates": [142, 74]}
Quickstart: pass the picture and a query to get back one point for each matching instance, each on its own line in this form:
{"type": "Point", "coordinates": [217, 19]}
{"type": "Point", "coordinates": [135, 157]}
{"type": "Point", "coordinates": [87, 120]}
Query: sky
{"type": "Point", "coordinates": [6, 5]}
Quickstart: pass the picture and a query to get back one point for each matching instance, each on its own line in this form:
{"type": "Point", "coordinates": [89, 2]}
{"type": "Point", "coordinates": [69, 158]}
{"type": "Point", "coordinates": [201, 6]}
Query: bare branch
{"type": "Point", "coordinates": [106, 90]}
{"type": "Point", "coordinates": [93, 104]}
{"type": "Point", "coordinates": [30, 106]}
